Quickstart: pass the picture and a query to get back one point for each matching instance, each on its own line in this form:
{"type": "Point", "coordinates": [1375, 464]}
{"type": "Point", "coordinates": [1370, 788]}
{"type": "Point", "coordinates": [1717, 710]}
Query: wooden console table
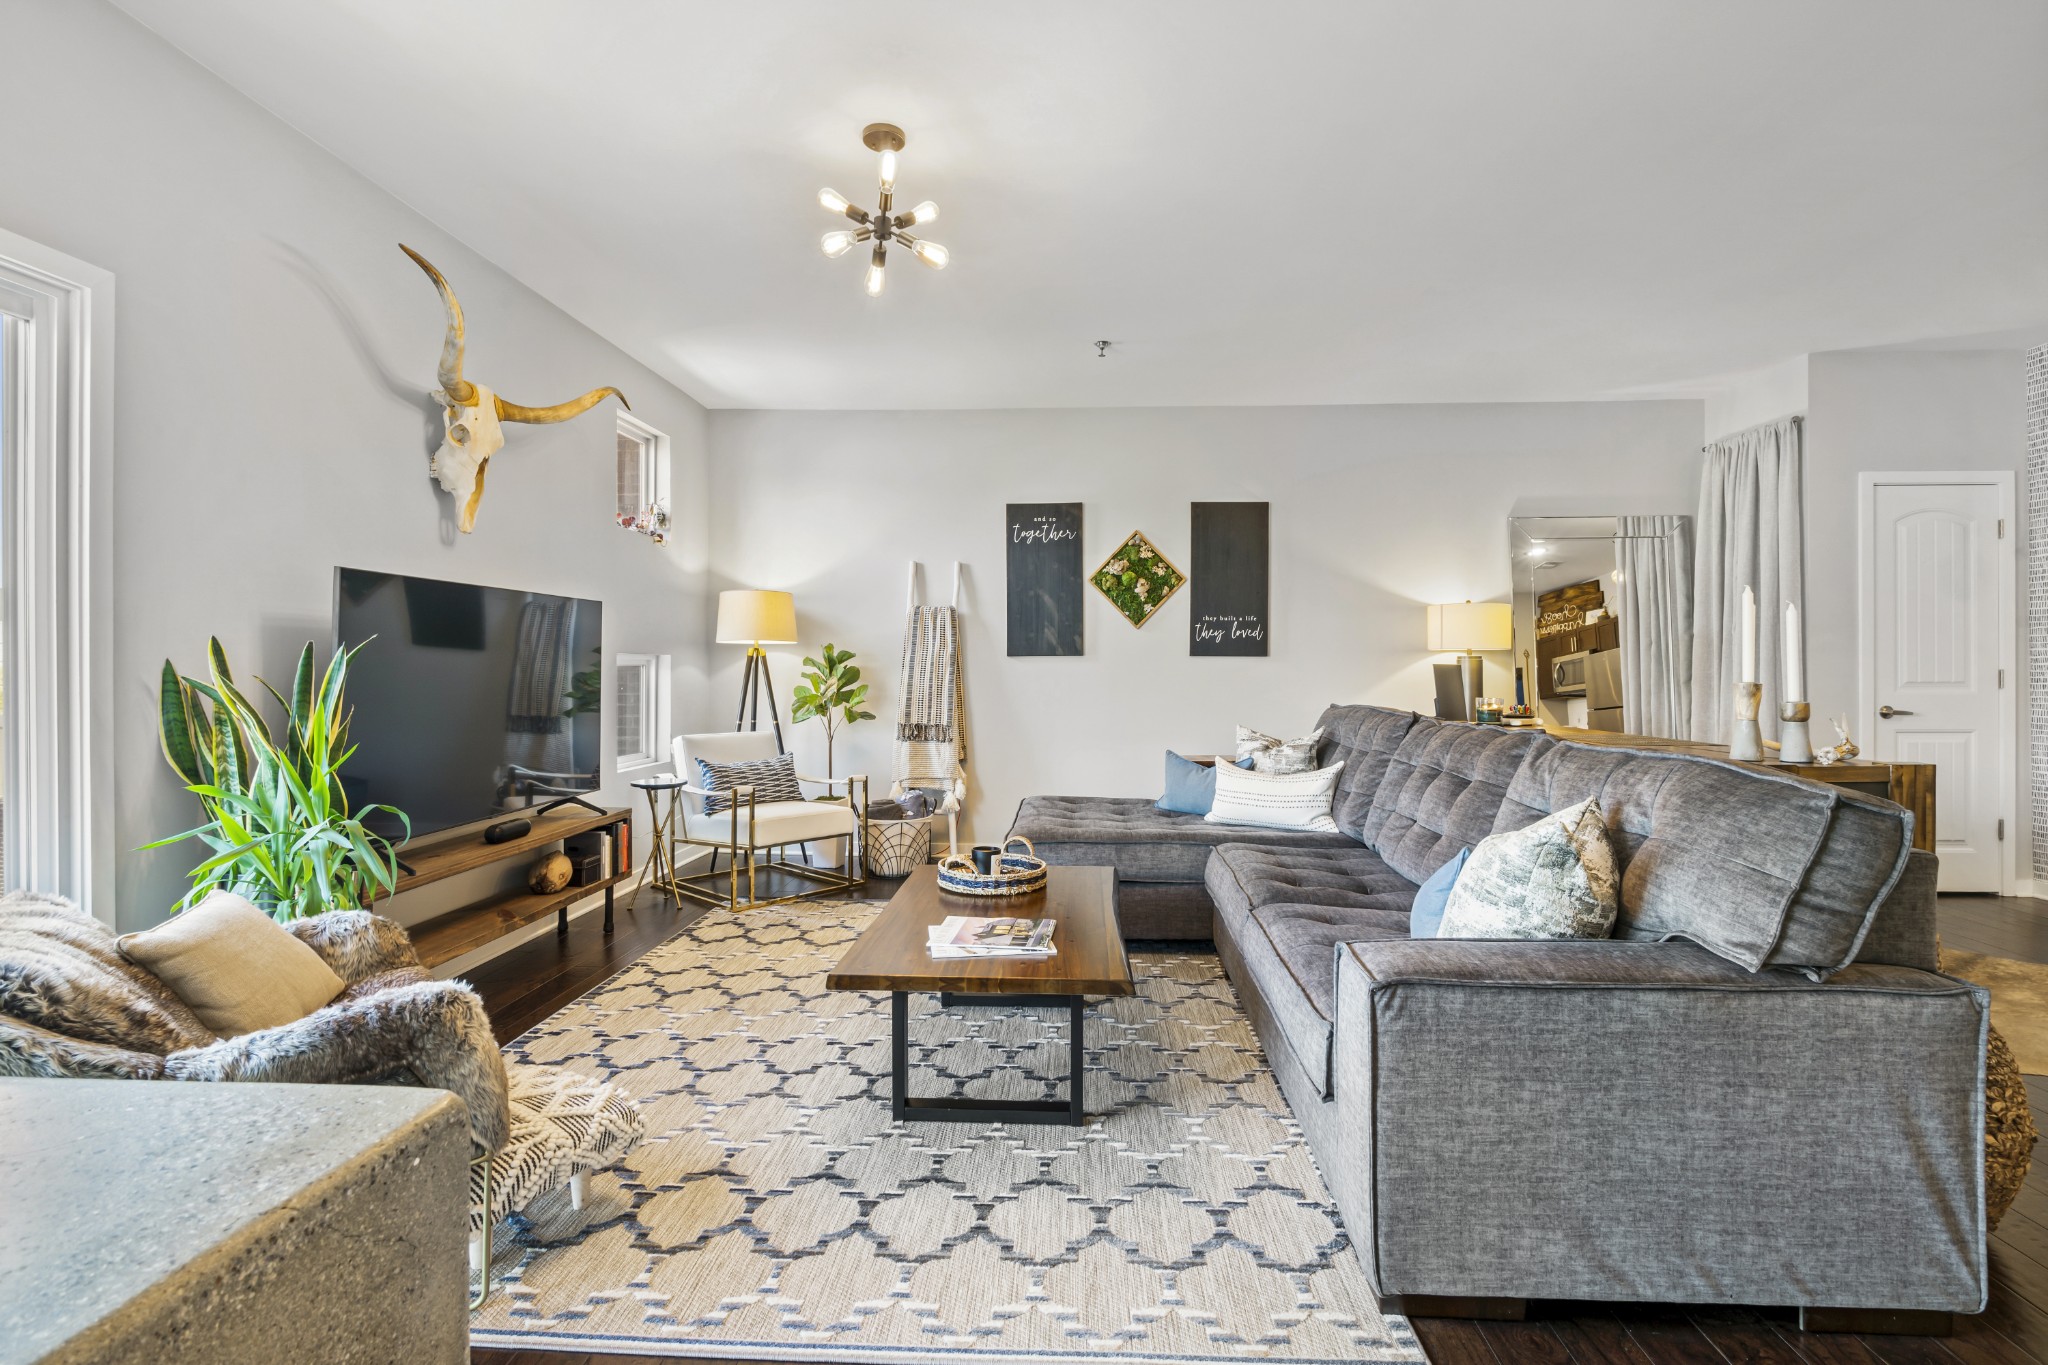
{"type": "Point", "coordinates": [449, 936]}
{"type": "Point", "coordinates": [1909, 784]}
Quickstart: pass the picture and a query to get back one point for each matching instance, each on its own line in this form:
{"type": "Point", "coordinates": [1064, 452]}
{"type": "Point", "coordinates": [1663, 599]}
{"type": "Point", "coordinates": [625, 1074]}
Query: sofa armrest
{"type": "Point", "coordinates": [356, 944]}
{"type": "Point", "coordinates": [1612, 1119]}
{"type": "Point", "coordinates": [436, 1032]}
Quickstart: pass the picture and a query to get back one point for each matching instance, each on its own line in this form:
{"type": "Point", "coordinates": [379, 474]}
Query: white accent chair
{"type": "Point", "coordinates": [748, 828]}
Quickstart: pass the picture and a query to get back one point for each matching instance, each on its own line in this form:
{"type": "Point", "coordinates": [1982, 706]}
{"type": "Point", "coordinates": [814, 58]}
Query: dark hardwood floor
{"type": "Point", "coordinates": [535, 979]}
{"type": "Point", "coordinates": [526, 985]}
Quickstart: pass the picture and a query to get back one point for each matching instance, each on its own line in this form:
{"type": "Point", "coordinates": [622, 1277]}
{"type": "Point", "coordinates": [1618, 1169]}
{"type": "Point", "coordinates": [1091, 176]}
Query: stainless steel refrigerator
{"type": "Point", "coordinates": [1603, 690]}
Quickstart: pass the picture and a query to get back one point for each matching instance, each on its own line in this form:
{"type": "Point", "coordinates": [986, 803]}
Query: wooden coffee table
{"type": "Point", "coordinates": [891, 956]}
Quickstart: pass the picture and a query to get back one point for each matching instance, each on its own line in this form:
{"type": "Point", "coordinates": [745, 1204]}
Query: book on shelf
{"type": "Point", "coordinates": [964, 936]}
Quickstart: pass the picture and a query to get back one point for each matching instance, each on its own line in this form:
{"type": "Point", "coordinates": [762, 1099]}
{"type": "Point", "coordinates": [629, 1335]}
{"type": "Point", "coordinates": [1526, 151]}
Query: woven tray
{"type": "Point", "coordinates": [1015, 874]}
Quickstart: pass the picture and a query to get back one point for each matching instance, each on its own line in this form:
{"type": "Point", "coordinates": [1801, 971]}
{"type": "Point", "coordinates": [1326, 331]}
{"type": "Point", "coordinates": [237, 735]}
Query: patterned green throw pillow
{"type": "Point", "coordinates": [1554, 879]}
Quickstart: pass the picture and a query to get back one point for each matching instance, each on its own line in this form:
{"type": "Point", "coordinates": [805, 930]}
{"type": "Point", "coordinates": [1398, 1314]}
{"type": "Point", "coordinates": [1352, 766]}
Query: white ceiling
{"type": "Point", "coordinates": [1286, 202]}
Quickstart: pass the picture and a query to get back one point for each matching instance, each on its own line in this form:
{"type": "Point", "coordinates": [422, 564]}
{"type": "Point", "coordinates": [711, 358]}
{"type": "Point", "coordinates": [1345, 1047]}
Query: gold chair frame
{"type": "Point", "coordinates": [699, 886]}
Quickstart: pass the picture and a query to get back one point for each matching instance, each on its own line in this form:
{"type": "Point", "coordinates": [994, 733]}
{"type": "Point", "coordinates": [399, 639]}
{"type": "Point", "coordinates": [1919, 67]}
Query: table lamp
{"type": "Point", "coordinates": [1467, 628]}
{"type": "Point", "coordinates": [754, 617]}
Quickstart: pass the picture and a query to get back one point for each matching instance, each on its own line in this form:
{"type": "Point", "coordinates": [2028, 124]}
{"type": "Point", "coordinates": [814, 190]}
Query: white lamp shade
{"type": "Point", "coordinates": [1474, 626]}
{"type": "Point", "coordinates": [756, 616]}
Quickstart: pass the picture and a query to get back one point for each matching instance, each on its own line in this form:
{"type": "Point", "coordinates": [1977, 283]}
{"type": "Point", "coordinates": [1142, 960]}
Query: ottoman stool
{"type": "Point", "coordinates": [564, 1126]}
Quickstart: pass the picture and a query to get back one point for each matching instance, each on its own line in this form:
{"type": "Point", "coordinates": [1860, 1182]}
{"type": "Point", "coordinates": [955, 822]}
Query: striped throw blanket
{"type": "Point", "coordinates": [931, 713]}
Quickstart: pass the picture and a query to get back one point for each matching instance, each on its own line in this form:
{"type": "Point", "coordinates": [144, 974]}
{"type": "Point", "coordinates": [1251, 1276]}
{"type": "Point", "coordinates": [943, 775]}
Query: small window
{"type": "Point", "coordinates": [643, 469]}
{"type": "Point", "coordinates": [638, 715]}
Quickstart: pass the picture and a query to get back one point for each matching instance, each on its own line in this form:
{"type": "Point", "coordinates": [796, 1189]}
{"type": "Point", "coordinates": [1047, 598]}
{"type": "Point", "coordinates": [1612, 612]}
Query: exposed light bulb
{"type": "Point", "coordinates": [888, 170]}
{"type": "Point", "coordinates": [875, 267]}
{"type": "Point", "coordinates": [921, 215]}
{"type": "Point", "coordinates": [932, 254]}
{"type": "Point", "coordinates": [837, 243]}
{"type": "Point", "coordinates": [833, 200]}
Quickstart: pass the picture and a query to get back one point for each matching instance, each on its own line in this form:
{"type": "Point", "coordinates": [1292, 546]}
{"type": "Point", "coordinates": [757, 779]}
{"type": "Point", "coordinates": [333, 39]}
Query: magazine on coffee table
{"type": "Point", "coordinates": [1011, 936]}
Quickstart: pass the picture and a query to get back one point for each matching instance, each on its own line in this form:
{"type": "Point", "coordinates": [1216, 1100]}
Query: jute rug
{"type": "Point", "coordinates": [776, 1212]}
{"type": "Point", "coordinates": [2019, 1001]}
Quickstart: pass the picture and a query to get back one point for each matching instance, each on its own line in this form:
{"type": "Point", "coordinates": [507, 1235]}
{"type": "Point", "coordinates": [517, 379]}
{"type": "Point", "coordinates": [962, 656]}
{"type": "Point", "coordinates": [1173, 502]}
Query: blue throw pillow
{"type": "Point", "coordinates": [1190, 786]}
{"type": "Point", "coordinates": [1428, 911]}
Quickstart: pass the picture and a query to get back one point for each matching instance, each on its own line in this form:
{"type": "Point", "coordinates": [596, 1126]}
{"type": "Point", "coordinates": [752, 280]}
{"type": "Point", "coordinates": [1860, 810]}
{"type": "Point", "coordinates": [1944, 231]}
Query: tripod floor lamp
{"type": "Point", "coordinates": [754, 617]}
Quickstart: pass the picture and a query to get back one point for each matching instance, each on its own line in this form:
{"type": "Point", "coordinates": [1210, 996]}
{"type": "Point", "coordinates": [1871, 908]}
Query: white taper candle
{"type": "Point", "coordinates": [1748, 635]}
{"type": "Point", "coordinates": [1795, 656]}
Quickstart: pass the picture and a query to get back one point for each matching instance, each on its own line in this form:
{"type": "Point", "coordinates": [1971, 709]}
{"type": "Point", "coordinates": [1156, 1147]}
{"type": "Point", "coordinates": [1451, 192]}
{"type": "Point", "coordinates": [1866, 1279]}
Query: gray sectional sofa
{"type": "Point", "coordinates": [1761, 1091]}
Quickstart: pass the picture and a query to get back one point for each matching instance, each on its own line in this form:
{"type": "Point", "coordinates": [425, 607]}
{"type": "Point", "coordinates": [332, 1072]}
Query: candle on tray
{"type": "Point", "coordinates": [1748, 635]}
{"type": "Point", "coordinates": [1795, 661]}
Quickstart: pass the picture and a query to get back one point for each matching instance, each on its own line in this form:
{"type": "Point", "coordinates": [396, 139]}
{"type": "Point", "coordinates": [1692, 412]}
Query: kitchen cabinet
{"type": "Point", "coordinates": [1604, 633]}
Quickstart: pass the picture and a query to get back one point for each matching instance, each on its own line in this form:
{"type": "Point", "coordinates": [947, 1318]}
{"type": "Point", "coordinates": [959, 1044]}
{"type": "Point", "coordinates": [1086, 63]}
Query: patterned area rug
{"type": "Point", "coordinates": [2019, 1001]}
{"type": "Point", "coordinates": [777, 1212]}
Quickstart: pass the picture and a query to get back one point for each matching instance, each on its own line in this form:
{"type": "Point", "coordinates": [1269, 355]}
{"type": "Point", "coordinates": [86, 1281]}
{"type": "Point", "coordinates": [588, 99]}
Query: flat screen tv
{"type": "Point", "coordinates": [468, 702]}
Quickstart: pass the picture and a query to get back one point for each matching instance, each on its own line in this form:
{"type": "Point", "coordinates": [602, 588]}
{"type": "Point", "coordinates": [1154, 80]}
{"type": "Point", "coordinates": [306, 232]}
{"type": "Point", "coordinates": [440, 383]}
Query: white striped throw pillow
{"type": "Point", "coordinates": [1275, 800]}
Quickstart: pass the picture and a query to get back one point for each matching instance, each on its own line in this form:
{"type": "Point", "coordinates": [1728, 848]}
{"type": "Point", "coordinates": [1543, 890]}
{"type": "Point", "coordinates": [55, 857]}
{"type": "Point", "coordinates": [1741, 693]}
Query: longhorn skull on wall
{"type": "Point", "coordinates": [470, 413]}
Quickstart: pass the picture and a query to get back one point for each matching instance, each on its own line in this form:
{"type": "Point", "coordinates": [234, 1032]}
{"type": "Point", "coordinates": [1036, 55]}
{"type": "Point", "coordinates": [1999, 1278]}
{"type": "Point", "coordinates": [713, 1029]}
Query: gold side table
{"type": "Point", "coordinates": [661, 856]}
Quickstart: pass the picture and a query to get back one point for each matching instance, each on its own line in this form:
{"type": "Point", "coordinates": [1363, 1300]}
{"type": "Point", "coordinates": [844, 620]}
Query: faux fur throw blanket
{"type": "Point", "coordinates": [931, 711]}
{"type": "Point", "coordinates": [72, 1006]}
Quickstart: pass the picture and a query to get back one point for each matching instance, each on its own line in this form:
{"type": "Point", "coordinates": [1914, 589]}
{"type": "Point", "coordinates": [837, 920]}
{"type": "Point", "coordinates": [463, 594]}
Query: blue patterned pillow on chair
{"type": "Point", "coordinates": [773, 779]}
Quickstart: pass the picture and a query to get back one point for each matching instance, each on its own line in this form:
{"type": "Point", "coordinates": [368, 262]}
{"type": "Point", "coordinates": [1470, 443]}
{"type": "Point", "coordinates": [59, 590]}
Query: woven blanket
{"type": "Point", "coordinates": [931, 711]}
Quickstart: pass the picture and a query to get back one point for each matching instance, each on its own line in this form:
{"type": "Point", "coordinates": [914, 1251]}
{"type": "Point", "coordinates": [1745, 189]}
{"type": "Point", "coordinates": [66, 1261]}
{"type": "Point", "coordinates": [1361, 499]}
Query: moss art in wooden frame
{"type": "Point", "coordinates": [1137, 579]}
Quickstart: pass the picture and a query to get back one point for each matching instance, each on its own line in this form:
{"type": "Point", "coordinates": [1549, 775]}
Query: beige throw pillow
{"type": "Point", "coordinates": [234, 966]}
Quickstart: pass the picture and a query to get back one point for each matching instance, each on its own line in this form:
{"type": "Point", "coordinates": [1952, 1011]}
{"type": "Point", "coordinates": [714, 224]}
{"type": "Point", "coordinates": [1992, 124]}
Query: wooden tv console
{"type": "Point", "coordinates": [437, 857]}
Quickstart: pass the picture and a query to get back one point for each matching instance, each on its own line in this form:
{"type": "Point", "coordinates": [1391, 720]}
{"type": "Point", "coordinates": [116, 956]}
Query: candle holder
{"type": "Point", "coordinates": [1795, 745]}
{"type": "Point", "coordinates": [1747, 743]}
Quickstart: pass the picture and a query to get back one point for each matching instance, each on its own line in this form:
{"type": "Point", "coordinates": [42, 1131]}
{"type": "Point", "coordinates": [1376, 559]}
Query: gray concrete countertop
{"type": "Point", "coordinates": [121, 1196]}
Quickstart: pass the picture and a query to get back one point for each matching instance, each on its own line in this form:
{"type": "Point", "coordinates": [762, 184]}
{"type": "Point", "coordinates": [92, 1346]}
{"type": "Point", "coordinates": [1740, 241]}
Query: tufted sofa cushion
{"type": "Point", "coordinates": [1443, 791]}
{"type": "Point", "coordinates": [1243, 878]}
{"type": "Point", "coordinates": [1761, 868]}
{"type": "Point", "coordinates": [1142, 842]}
{"type": "Point", "coordinates": [1363, 739]}
{"type": "Point", "coordinates": [1291, 953]}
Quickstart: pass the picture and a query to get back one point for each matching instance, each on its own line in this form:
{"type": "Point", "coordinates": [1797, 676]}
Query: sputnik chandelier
{"type": "Point", "coordinates": [882, 227]}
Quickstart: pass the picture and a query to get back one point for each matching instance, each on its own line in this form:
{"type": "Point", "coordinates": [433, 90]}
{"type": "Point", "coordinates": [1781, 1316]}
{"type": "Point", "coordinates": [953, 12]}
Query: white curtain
{"type": "Point", "coordinates": [1653, 556]}
{"type": "Point", "coordinates": [1751, 533]}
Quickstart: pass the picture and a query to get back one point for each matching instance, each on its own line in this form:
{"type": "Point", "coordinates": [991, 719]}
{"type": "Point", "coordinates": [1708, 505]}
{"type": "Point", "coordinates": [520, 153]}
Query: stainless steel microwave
{"type": "Point", "coordinates": [1568, 674]}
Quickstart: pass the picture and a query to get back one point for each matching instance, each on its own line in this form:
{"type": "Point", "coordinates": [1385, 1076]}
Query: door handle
{"type": "Point", "coordinates": [1889, 711]}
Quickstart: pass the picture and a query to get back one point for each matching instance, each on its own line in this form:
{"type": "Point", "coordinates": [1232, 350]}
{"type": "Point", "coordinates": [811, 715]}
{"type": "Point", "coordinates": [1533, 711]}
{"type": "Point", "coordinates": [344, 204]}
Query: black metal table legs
{"type": "Point", "coordinates": [957, 1109]}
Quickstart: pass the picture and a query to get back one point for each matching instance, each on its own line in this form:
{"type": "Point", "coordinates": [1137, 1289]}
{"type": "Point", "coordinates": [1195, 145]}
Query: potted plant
{"type": "Point", "coordinates": [830, 691]}
{"type": "Point", "coordinates": [278, 822]}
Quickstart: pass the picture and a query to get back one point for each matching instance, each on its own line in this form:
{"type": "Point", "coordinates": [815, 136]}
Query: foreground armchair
{"type": "Point", "coordinates": [72, 1006]}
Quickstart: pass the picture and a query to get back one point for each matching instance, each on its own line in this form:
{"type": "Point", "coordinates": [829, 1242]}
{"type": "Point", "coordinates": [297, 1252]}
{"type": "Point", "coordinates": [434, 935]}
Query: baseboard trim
{"type": "Point", "coordinates": [1895, 1322]}
{"type": "Point", "coordinates": [1454, 1306]}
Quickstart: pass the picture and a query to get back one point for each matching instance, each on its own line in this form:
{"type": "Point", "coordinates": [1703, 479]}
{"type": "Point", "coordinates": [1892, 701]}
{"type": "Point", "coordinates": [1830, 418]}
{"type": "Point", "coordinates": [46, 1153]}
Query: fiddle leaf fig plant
{"type": "Point", "coordinates": [278, 823]}
{"type": "Point", "coordinates": [830, 691]}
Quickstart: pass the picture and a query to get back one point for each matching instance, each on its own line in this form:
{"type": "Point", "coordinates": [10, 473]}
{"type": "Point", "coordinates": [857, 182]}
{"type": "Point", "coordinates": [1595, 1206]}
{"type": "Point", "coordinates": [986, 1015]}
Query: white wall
{"type": "Point", "coordinates": [274, 349]}
{"type": "Point", "coordinates": [1376, 511]}
{"type": "Point", "coordinates": [1757, 396]}
{"type": "Point", "coordinates": [1874, 410]}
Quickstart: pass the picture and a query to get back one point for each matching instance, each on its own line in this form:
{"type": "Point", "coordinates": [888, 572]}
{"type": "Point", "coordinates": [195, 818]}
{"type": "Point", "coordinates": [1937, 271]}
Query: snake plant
{"type": "Point", "coordinates": [278, 823]}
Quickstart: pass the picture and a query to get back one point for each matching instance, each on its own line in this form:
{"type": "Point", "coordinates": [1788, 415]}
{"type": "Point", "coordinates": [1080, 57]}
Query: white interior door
{"type": "Point", "coordinates": [1939, 647]}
